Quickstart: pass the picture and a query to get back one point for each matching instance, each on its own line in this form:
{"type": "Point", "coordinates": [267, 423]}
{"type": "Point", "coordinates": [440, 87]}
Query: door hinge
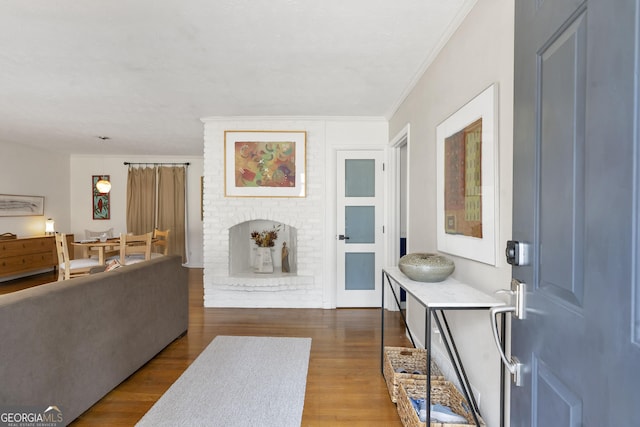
{"type": "Point", "coordinates": [383, 229]}
{"type": "Point", "coordinates": [382, 166]}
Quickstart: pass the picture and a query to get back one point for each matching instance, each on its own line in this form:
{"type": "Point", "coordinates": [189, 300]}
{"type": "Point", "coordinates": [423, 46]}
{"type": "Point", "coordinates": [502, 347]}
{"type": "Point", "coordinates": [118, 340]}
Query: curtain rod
{"type": "Point", "coordinates": [155, 164]}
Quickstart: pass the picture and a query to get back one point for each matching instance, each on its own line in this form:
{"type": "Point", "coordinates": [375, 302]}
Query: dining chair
{"type": "Point", "coordinates": [160, 244]}
{"type": "Point", "coordinates": [69, 268]}
{"type": "Point", "coordinates": [135, 248]}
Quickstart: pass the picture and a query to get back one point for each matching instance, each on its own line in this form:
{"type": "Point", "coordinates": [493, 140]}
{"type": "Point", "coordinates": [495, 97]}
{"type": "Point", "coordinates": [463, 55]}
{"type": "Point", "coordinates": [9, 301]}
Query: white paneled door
{"type": "Point", "coordinates": [359, 223]}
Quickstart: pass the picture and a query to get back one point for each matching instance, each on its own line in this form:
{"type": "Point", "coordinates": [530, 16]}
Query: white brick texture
{"type": "Point", "coordinates": [304, 290]}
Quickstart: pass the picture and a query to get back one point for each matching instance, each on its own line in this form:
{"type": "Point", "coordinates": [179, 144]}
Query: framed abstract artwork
{"type": "Point", "coordinates": [265, 163]}
{"type": "Point", "coordinates": [467, 180]}
{"type": "Point", "coordinates": [12, 205]}
{"type": "Point", "coordinates": [101, 205]}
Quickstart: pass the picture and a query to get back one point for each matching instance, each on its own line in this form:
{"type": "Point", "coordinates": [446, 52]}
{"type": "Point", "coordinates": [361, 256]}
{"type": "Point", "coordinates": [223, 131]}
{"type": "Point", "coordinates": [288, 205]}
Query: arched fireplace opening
{"type": "Point", "coordinates": [242, 248]}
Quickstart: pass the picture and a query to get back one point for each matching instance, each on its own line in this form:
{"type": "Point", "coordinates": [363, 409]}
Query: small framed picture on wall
{"type": "Point", "coordinates": [101, 205]}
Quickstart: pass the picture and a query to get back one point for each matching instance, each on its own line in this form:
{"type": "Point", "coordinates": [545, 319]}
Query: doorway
{"type": "Point", "coordinates": [398, 202]}
{"type": "Point", "coordinates": [359, 224]}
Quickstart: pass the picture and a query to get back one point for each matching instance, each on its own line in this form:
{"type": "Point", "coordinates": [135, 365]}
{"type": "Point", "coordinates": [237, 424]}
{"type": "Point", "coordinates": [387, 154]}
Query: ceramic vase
{"type": "Point", "coordinates": [263, 261]}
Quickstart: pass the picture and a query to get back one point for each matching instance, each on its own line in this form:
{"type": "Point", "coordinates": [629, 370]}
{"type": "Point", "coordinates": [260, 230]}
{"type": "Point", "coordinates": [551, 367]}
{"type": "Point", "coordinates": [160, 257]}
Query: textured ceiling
{"type": "Point", "coordinates": [144, 72]}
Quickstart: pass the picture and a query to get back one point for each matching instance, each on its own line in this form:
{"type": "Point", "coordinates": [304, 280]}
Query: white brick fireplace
{"type": "Point", "coordinates": [312, 282]}
{"type": "Point", "coordinates": [303, 287]}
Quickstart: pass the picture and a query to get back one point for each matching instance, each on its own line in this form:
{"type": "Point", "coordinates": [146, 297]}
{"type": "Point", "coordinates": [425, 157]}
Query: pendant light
{"type": "Point", "coordinates": [103, 185]}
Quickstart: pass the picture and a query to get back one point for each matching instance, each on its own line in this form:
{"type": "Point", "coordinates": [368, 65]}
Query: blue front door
{"type": "Point", "coordinates": [576, 193]}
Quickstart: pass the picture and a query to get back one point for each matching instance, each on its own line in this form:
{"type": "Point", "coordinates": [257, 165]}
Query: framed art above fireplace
{"type": "Point", "coordinates": [265, 163]}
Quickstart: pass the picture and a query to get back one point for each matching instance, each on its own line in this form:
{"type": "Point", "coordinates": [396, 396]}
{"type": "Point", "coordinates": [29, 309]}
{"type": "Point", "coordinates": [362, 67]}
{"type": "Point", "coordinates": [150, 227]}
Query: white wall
{"type": "Point", "coordinates": [34, 172]}
{"type": "Point", "coordinates": [82, 168]}
{"type": "Point", "coordinates": [478, 54]}
{"type": "Point", "coordinates": [354, 134]}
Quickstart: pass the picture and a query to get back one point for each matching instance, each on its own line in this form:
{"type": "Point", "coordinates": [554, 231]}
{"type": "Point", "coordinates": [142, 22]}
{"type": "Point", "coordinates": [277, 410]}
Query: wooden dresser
{"type": "Point", "coordinates": [27, 254]}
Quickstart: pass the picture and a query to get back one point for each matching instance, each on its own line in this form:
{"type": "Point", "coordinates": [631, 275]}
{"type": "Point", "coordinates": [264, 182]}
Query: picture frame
{"type": "Point", "coordinates": [467, 180]}
{"type": "Point", "coordinates": [101, 206]}
{"type": "Point", "coordinates": [17, 205]}
{"type": "Point", "coordinates": [265, 163]}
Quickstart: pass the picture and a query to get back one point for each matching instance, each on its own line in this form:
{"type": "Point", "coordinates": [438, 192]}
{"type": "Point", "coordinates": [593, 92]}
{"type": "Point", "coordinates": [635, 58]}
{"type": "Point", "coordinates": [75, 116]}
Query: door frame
{"type": "Point", "coordinates": [392, 203]}
{"type": "Point", "coordinates": [361, 298]}
{"type": "Point", "coordinates": [330, 289]}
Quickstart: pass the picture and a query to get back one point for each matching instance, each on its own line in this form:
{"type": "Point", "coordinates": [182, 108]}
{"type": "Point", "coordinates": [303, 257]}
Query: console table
{"type": "Point", "coordinates": [436, 298]}
{"type": "Point", "coordinates": [27, 254]}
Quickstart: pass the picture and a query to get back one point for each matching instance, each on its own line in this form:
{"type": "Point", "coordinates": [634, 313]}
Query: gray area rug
{"type": "Point", "coordinates": [238, 381]}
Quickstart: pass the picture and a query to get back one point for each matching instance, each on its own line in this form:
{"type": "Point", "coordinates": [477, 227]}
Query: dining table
{"type": "Point", "coordinates": [107, 248]}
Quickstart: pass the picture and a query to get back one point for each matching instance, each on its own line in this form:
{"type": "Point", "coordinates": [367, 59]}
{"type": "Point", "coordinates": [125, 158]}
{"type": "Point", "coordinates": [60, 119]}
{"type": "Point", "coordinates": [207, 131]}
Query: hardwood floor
{"type": "Point", "coordinates": [344, 384]}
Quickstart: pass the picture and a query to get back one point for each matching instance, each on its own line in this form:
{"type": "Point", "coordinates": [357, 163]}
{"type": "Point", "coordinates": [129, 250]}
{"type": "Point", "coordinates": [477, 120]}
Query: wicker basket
{"type": "Point", "coordinates": [410, 360]}
{"type": "Point", "coordinates": [442, 392]}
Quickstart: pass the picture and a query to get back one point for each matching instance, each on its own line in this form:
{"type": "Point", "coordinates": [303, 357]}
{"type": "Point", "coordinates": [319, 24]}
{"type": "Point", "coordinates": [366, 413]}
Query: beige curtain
{"type": "Point", "coordinates": [141, 200]}
{"type": "Point", "coordinates": [171, 207]}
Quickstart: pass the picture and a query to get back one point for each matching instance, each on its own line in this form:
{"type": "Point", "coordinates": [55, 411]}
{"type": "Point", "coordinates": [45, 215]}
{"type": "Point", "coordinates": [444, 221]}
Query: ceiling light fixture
{"type": "Point", "coordinates": [103, 185]}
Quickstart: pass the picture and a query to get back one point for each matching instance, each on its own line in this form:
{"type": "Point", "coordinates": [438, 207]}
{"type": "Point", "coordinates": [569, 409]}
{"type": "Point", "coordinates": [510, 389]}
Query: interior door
{"type": "Point", "coordinates": [574, 203]}
{"type": "Point", "coordinates": [359, 228]}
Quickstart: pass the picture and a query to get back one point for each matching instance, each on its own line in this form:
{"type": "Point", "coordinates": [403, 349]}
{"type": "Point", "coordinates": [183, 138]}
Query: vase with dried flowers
{"type": "Point", "coordinates": [265, 240]}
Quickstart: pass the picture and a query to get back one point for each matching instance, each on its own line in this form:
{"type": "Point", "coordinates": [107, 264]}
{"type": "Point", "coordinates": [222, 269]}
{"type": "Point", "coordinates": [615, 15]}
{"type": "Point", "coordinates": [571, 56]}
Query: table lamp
{"type": "Point", "coordinates": [48, 226]}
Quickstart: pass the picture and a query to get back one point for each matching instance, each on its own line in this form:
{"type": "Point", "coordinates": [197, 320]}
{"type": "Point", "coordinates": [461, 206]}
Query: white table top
{"type": "Point", "coordinates": [449, 293]}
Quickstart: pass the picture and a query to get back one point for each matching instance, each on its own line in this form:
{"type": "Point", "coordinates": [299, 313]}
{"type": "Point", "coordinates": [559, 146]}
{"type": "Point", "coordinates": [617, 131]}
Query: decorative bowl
{"type": "Point", "coordinates": [426, 267]}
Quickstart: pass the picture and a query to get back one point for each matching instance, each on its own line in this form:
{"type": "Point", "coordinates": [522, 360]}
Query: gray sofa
{"type": "Point", "coordinates": [69, 343]}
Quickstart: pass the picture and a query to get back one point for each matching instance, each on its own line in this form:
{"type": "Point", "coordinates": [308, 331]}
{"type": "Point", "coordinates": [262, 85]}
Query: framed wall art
{"type": "Point", "coordinates": [467, 180]}
{"type": "Point", "coordinates": [13, 205]}
{"type": "Point", "coordinates": [101, 205]}
{"type": "Point", "coordinates": [265, 163]}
